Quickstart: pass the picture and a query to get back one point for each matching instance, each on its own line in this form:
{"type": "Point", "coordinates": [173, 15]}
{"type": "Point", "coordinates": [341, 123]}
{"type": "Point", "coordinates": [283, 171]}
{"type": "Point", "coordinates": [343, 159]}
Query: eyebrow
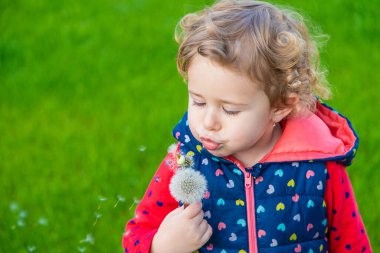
{"type": "Point", "coordinates": [221, 100]}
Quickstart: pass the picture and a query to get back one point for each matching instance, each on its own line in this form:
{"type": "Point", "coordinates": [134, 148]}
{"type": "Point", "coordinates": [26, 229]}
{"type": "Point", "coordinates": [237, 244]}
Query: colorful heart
{"type": "Point", "coordinates": [280, 206]}
{"type": "Point", "coordinates": [293, 237]}
{"type": "Point", "coordinates": [261, 233]}
{"type": "Point", "coordinates": [210, 246]}
{"type": "Point", "coordinates": [220, 202]}
{"type": "Point", "coordinates": [237, 171]}
{"type": "Point", "coordinates": [221, 226]}
{"type": "Point", "coordinates": [281, 227]}
{"type": "Point", "coordinates": [309, 174]}
{"type": "Point", "coordinates": [310, 204]}
{"type": "Point", "coordinates": [239, 202]}
{"type": "Point", "coordinates": [279, 173]}
{"type": "Point", "coordinates": [219, 172]}
{"type": "Point", "coordinates": [259, 179]}
{"type": "Point", "coordinates": [291, 183]}
{"type": "Point", "coordinates": [260, 209]}
{"type": "Point", "coordinates": [241, 222]}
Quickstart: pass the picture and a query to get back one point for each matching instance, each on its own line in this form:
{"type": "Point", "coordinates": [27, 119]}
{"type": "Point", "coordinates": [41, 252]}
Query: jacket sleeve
{"type": "Point", "coordinates": [155, 205]}
{"type": "Point", "coordinates": [345, 225]}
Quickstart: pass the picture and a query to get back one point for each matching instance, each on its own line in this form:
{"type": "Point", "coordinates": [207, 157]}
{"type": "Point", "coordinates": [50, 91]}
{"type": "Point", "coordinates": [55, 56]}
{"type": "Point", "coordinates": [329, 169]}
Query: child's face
{"type": "Point", "coordinates": [227, 112]}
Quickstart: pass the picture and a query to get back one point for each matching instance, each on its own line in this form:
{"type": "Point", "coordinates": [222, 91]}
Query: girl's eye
{"type": "Point", "coordinates": [231, 112]}
{"type": "Point", "coordinates": [198, 103]}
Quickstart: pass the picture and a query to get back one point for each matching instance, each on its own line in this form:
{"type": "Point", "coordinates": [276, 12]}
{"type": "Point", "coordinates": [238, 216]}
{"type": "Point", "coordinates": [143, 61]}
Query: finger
{"type": "Point", "coordinates": [206, 236]}
{"type": "Point", "coordinates": [193, 210]}
{"type": "Point", "coordinates": [203, 226]}
{"type": "Point", "coordinates": [198, 218]}
{"type": "Point", "coordinates": [174, 212]}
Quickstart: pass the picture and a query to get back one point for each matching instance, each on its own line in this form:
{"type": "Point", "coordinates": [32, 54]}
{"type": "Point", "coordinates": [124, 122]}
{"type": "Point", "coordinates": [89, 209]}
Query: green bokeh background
{"type": "Point", "coordinates": [89, 94]}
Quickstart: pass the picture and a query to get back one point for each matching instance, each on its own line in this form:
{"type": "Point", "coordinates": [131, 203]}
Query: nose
{"type": "Point", "coordinates": [211, 120]}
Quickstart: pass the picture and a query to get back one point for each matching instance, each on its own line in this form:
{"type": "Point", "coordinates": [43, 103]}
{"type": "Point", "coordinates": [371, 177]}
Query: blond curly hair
{"type": "Point", "coordinates": [270, 45]}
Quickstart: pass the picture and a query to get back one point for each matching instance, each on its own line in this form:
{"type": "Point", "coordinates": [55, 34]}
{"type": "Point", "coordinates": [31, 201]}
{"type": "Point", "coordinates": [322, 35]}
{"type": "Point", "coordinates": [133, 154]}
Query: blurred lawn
{"type": "Point", "coordinates": [89, 94]}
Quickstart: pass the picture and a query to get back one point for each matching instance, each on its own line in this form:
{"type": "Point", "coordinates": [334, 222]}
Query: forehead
{"type": "Point", "coordinates": [207, 76]}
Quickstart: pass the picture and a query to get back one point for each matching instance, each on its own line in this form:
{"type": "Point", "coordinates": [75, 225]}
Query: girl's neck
{"type": "Point", "coordinates": [261, 149]}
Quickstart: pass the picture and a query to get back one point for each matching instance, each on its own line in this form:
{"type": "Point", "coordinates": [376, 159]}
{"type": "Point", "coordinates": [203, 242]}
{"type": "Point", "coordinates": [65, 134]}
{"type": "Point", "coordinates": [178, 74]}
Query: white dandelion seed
{"type": "Point", "coordinates": [31, 248]}
{"type": "Point", "coordinates": [119, 199]}
{"type": "Point", "coordinates": [136, 201]}
{"type": "Point", "coordinates": [188, 186]}
{"type": "Point", "coordinates": [81, 249]}
{"type": "Point", "coordinates": [172, 148]}
{"type": "Point", "coordinates": [42, 221]}
{"type": "Point", "coordinates": [89, 239]}
{"type": "Point", "coordinates": [13, 206]}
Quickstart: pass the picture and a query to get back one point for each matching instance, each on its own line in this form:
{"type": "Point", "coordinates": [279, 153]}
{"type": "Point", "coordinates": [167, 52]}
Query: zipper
{"type": "Point", "coordinates": [251, 215]}
{"type": "Point", "coordinates": [250, 202]}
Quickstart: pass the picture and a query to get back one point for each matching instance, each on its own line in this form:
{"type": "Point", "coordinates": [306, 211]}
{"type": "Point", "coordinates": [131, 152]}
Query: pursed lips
{"type": "Point", "coordinates": [209, 144]}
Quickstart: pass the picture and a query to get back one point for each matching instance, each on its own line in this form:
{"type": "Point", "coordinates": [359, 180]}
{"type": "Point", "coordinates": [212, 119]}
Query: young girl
{"type": "Point", "coordinates": [274, 156]}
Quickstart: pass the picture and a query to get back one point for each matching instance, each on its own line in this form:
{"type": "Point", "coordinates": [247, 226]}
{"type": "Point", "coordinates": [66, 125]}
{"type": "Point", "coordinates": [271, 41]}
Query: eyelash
{"type": "Point", "coordinates": [231, 113]}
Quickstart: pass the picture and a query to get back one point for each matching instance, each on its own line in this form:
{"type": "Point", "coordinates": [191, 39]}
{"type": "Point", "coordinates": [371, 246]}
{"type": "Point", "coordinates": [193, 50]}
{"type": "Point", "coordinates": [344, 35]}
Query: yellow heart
{"type": "Point", "coordinates": [199, 148]}
{"type": "Point", "coordinates": [242, 251]}
{"type": "Point", "coordinates": [197, 251]}
{"type": "Point", "coordinates": [291, 183]}
{"type": "Point", "coordinates": [280, 206]}
{"type": "Point", "coordinates": [321, 248]}
{"type": "Point", "coordinates": [324, 204]}
{"type": "Point", "coordinates": [190, 153]}
{"type": "Point", "coordinates": [293, 237]}
{"type": "Point", "coordinates": [239, 202]}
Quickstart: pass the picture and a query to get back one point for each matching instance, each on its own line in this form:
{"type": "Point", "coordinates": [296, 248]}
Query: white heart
{"type": "Point", "coordinates": [274, 243]}
{"type": "Point", "coordinates": [187, 138]}
{"type": "Point", "coordinates": [320, 186]}
{"type": "Point", "coordinates": [205, 161]}
{"type": "Point", "coordinates": [230, 184]}
{"type": "Point", "coordinates": [233, 237]}
{"type": "Point", "coordinates": [270, 189]}
{"type": "Point", "coordinates": [295, 164]}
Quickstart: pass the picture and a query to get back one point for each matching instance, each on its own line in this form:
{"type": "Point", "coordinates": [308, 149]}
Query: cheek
{"type": "Point", "coordinates": [250, 129]}
{"type": "Point", "coordinates": [193, 122]}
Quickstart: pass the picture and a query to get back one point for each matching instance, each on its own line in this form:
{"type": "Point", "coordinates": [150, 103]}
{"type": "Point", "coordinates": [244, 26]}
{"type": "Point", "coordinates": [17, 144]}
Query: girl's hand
{"type": "Point", "coordinates": [182, 231]}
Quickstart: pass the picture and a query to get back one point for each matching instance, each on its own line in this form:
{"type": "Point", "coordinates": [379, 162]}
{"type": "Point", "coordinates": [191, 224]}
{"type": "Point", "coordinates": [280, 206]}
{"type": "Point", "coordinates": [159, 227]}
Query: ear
{"type": "Point", "coordinates": [281, 113]}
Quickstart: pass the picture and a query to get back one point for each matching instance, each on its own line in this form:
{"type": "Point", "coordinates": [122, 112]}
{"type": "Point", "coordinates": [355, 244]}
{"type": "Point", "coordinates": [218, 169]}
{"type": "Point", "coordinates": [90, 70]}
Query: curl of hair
{"type": "Point", "coordinates": [272, 46]}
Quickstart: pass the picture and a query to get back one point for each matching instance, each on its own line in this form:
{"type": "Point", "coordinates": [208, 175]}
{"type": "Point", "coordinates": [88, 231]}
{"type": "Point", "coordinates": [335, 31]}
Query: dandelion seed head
{"type": "Point", "coordinates": [188, 186]}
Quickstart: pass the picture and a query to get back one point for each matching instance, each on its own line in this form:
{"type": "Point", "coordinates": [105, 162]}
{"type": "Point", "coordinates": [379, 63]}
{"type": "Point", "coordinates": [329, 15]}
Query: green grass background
{"type": "Point", "coordinates": [89, 94]}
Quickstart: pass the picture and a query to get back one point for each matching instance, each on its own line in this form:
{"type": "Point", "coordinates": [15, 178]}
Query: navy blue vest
{"type": "Point", "coordinates": [288, 209]}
